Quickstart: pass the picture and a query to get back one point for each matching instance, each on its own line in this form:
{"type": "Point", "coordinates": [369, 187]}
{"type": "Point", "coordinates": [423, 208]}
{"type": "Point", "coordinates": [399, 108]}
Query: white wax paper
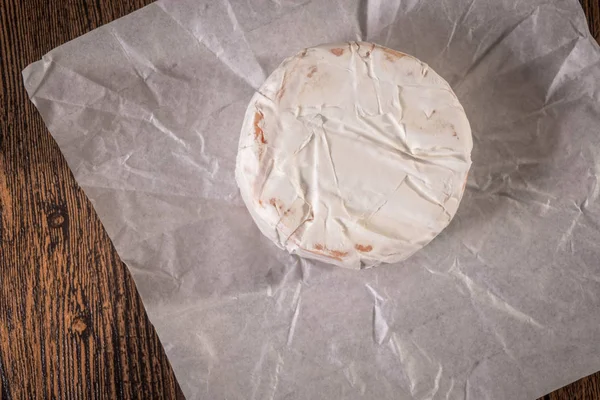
{"type": "Point", "coordinates": [504, 304]}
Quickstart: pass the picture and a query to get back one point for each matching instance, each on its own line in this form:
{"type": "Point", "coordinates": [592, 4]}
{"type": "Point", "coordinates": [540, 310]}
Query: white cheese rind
{"type": "Point", "coordinates": [353, 154]}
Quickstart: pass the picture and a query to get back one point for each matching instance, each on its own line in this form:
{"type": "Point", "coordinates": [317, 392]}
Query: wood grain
{"type": "Point", "coordinates": [592, 12]}
{"type": "Point", "coordinates": [587, 388]}
{"type": "Point", "coordinates": [72, 325]}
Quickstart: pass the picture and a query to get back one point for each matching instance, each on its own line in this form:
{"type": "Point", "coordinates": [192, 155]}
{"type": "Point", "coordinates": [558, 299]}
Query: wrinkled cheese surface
{"type": "Point", "coordinates": [353, 154]}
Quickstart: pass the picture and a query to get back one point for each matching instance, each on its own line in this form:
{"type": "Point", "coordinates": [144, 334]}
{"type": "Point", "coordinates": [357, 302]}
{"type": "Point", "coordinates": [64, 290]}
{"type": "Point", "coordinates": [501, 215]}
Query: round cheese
{"type": "Point", "coordinates": [353, 154]}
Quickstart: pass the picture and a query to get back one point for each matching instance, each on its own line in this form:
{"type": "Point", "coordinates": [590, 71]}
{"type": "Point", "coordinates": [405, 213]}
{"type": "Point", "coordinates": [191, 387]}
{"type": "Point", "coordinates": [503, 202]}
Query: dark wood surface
{"type": "Point", "coordinates": [72, 324]}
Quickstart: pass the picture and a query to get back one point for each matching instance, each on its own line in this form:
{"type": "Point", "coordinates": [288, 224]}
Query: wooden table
{"type": "Point", "coordinates": [72, 324]}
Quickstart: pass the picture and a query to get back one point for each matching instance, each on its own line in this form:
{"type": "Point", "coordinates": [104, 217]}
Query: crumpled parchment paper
{"type": "Point", "coordinates": [504, 304]}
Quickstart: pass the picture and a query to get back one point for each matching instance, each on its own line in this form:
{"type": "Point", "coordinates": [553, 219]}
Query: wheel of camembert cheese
{"type": "Point", "coordinates": [353, 154]}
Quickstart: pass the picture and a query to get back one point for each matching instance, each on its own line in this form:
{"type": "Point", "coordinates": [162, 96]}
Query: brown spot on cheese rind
{"type": "Point", "coordinates": [281, 90]}
{"type": "Point", "coordinates": [338, 254]}
{"type": "Point", "coordinates": [324, 251]}
{"type": "Point", "coordinates": [454, 134]}
{"type": "Point", "coordinates": [280, 93]}
{"type": "Point", "coordinates": [303, 54]}
{"type": "Point", "coordinates": [337, 51]}
{"type": "Point", "coordinates": [279, 206]}
{"type": "Point", "coordinates": [363, 248]}
{"type": "Point", "coordinates": [259, 135]}
{"type": "Point", "coordinates": [392, 55]}
{"type": "Point", "coordinates": [312, 72]}
{"type": "Point", "coordinates": [370, 51]}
